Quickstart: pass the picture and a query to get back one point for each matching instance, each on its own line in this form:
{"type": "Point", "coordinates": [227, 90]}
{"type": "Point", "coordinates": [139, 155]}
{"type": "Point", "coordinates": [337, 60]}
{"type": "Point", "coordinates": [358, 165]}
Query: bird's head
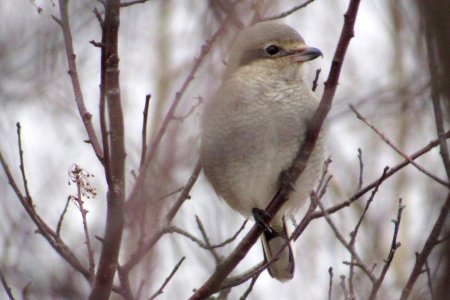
{"type": "Point", "coordinates": [272, 46]}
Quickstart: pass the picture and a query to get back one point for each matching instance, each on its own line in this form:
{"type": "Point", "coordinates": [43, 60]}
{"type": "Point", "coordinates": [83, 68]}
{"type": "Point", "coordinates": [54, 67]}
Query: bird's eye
{"type": "Point", "coordinates": [272, 50]}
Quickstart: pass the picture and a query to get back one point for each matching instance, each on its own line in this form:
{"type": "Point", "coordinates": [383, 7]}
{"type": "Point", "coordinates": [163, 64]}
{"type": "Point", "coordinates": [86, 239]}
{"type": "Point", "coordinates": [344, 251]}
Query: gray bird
{"type": "Point", "coordinates": [254, 126]}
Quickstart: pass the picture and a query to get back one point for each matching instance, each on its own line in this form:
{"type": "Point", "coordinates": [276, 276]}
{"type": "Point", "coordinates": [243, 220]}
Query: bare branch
{"type": "Point", "coordinates": [387, 141]}
{"type": "Point", "coordinates": [115, 163]}
{"type": "Point", "coordinates": [206, 239]}
{"type": "Point", "coordinates": [61, 217]}
{"type": "Point", "coordinates": [161, 289]}
{"type": "Point", "coordinates": [52, 237]}
{"type": "Point", "coordinates": [343, 241]}
{"type": "Point", "coordinates": [86, 117]}
{"type": "Point", "coordinates": [288, 12]}
{"type": "Point", "coordinates": [394, 246]}
{"type": "Point", "coordinates": [372, 185]}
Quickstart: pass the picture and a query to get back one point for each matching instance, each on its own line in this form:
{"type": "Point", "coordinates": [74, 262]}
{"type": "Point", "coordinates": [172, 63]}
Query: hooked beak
{"type": "Point", "coordinates": [305, 54]}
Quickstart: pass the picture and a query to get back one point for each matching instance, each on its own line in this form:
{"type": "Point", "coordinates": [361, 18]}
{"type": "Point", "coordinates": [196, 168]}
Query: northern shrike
{"type": "Point", "coordinates": [254, 126]}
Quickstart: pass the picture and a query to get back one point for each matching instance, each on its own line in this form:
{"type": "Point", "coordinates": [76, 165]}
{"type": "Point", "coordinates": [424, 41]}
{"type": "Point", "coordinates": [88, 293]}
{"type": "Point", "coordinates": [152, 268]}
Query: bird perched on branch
{"type": "Point", "coordinates": [254, 126]}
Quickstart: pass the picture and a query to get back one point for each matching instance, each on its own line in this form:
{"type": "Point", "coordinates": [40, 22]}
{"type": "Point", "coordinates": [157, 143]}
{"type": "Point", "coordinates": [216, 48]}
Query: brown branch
{"type": "Point", "coordinates": [387, 141]}
{"type": "Point", "coordinates": [288, 12]}
{"type": "Point", "coordinates": [161, 289]}
{"type": "Point", "coordinates": [430, 243]}
{"type": "Point", "coordinates": [86, 117]}
{"type": "Point", "coordinates": [52, 237]}
{"type": "Point", "coordinates": [394, 246]}
{"type": "Point", "coordinates": [299, 164]}
{"type": "Point", "coordinates": [372, 185]}
{"type": "Point", "coordinates": [116, 187]}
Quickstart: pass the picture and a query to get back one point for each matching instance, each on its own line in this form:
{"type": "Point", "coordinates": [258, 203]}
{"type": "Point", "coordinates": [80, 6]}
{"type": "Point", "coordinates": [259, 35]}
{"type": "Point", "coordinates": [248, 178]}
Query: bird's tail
{"type": "Point", "coordinates": [283, 267]}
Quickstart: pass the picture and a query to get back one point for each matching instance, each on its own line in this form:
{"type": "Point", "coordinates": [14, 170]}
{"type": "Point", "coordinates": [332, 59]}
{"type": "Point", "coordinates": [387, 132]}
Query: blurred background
{"type": "Point", "coordinates": [385, 76]}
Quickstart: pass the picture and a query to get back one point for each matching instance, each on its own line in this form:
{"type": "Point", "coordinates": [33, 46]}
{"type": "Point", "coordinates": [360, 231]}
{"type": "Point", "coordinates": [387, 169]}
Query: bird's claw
{"type": "Point", "coordinates": [262, 220]}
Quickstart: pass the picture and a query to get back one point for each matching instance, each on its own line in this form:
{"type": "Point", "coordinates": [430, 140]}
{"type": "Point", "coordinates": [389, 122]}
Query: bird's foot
{"type": "Point", "coordinates": [262, 220]}
{"type": "Point", "coordinates": [286, 180]}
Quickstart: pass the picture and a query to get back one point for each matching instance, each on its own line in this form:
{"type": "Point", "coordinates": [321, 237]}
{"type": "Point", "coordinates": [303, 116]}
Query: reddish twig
{"type": "Point", "coordinates": [299, 164]}
{"type": "Point", "coordinates": [161, 289]}
{"type": "Point", "coordinates": [86, 117]}
{"type": "Point", "coordinates": [394, 246]}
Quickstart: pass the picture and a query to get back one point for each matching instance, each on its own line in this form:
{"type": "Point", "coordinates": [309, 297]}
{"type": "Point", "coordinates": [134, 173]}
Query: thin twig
{"type": "Point", "coordinates": [394, 246]}
{"type": "Point", "coordinates": [387, 141]}
{"type": "Point", "coordinates": [429, 280]}
{"type": "Point", "coordinates": [330, 283]}
{"type": "Point", "coordinates": [342, 239]}
{"type": "Point", "coordinates": [144, 130]}
{"type": "Point", "coordinates": [344, 288]}
{"type": "Point", "coordinates": [206, 239]}
{"type": "Point", "coordinates": [86, 117]}
{"type": "Point", "coordinates": [161, 289]}
{"type": "Point", "coordinates": [61, 217]}
{"type": "Point", "coordinates": [288, 12]}
{"type": "Point", "coordinates": [316, 79]}
{"type": "Point", "coordinates": [361, 170]}
{"type": "Point", "coordinates": [250, 287]}
{"type": "Point", "coordinates": [22, 165]}
{"type": "Point", "coordinates": [373, 184]}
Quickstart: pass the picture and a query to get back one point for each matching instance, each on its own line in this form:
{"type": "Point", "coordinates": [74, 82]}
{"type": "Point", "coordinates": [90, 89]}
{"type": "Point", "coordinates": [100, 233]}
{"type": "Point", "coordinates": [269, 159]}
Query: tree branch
{"type": "Point", "coordinates": [86, 117]}
{"type": "Point", "coordinates": [116, 187]}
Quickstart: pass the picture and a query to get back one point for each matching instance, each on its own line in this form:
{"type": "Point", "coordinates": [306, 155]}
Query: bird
{"type": "Point", "coordinates": [253, 127]}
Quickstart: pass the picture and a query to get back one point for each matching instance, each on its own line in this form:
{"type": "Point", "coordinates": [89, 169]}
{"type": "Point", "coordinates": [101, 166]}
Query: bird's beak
{"type": "Point", "coordinates": [305, 54]}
